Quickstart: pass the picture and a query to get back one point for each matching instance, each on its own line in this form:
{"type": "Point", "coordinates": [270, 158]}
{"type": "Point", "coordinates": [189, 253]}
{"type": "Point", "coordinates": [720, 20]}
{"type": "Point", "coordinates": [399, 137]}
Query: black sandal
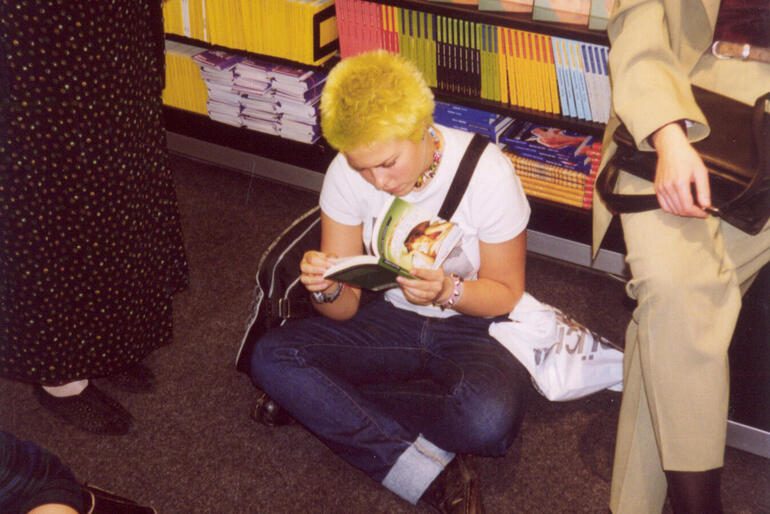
{"type": "Point", "coordinates": [91, 410]}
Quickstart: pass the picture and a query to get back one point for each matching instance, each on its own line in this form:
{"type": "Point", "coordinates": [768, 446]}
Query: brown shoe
{"type": "Point", "coordinates": [456, 489]}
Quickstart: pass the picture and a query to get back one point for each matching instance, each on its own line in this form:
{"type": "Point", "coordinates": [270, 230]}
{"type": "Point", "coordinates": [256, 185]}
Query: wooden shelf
{"type": "Point", "coordinates": [522, 21]}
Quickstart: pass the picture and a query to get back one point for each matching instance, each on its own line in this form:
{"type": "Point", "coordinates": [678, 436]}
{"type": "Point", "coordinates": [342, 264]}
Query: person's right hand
{"type": "Point", "coordinates": [679, 166]}
{"type": "Point", "coordinates": [313, 266]}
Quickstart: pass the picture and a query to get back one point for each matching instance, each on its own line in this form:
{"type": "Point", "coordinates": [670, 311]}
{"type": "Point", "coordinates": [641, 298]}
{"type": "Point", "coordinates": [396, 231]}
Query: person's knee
{"type": "Point", "coordinates": [264, 356]}
{"type": "Point", "coordinates": [491, 423]}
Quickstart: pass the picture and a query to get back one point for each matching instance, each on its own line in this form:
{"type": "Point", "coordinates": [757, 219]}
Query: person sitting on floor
{"type": "Point", "coordinates": [356, 376]}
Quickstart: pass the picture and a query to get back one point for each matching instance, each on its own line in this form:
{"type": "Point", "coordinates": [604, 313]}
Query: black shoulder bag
{"type": "Point", "coordinates": [736, 154]}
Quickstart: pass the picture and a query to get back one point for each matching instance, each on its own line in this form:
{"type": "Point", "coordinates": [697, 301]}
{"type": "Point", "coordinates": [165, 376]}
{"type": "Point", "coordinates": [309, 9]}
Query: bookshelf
{"type": "Point", "coordinates": [555, 230]}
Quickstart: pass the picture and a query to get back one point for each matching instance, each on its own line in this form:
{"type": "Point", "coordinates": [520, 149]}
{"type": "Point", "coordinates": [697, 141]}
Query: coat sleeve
{"type": "Point", "coordinates": [31, 476]}
{"type": "Point", "coordinates": [650, 85]}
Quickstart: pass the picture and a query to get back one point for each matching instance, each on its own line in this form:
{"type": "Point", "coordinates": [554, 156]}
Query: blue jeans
{"type": "Point", "coordinates": [394, 393]}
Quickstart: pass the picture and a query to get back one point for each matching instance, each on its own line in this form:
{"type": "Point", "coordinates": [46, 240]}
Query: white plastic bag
{"type": "Point", "coordinates": [566, 360]}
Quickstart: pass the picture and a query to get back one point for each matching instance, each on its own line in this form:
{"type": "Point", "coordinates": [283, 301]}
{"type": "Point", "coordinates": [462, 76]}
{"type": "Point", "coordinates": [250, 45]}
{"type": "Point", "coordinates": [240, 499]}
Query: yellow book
{"type": "Point", "coordinates": [535, 71]}
{"type": "Point", "coordinates": [172, 17]}
{"type": "Point", "coordinates": [481, 47]}
{"type": "Point", "coordinates": [502, 64]}
{"type": "Point", "coordinates": [512, 67]}
{"type": "Point", "coordinates": [197, 20]}
{"type": "Point", "coordinates": [430, 50]}
{"type": "Point", "coordinates": [556, 186]}
{"type": "Point", "coordinates": [551, 74]}
{"type": "Point", "coordinates": [542, 70]}
{"type": "Point", "coordinates": [185, 89]}
{"type": "Point", "coordinates": [524, 84]}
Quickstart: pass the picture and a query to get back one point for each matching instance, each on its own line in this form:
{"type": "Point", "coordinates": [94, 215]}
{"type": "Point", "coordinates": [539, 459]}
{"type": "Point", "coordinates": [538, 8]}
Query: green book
{"type": "Point", "coordinates": [404, 237]}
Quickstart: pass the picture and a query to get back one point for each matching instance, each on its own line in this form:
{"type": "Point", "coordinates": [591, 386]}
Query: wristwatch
{"type": "Point", "coordinates": [321, 297]}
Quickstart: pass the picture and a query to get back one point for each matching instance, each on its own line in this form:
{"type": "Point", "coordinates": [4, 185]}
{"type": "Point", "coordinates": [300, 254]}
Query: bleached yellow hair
{"type": "Point", "coordinates": [374, 97]}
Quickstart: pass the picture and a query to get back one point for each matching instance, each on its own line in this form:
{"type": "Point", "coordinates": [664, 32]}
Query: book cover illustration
{"type": "Point", "coordinates": [404, 237]}
{"type": "Point", "coordinates": [550, 145]}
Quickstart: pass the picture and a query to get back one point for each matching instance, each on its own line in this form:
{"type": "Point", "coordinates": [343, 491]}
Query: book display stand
{"type": "Point", "coordinates": [556, 230]}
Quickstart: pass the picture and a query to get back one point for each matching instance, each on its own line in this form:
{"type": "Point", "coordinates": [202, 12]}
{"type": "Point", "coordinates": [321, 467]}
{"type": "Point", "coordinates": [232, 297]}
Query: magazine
{"type": "Point", "coordinates": [404, 237]}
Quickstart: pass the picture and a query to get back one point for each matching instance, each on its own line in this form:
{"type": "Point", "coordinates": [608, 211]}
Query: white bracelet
{"type": "Point", "coordinates": [457, 293]}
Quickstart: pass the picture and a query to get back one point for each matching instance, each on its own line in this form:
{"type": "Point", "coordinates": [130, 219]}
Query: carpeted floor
{"type": "Point", "coordinates": [195, 449]}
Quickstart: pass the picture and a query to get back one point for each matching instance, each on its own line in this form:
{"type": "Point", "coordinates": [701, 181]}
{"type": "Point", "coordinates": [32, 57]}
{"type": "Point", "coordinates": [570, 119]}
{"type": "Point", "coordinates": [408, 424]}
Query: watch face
{"type": "Point", "coordinates": [319, 297]}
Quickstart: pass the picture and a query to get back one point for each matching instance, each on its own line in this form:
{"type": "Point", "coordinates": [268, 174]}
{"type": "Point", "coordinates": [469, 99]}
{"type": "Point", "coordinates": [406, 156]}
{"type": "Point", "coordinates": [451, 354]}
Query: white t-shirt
{"type": "Point", "coordinates": [494, 208]}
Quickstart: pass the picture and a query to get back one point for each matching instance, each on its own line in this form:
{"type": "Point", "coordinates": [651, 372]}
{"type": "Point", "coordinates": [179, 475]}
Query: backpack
{"type": "Point", "coordinates": [280, 296]}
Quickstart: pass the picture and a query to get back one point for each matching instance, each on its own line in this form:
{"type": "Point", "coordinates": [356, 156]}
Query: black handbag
{"type": "Point", "coordinates": [736, 154]}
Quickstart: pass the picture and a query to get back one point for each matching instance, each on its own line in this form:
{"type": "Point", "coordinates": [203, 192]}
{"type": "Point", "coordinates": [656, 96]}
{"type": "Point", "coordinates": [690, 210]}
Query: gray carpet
{"type": "Point", "coordinates": [195, 449]}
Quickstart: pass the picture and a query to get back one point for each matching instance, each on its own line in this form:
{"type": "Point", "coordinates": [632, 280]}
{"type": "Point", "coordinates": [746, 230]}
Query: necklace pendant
{"type": "Point", "coordinates": [431, 171]}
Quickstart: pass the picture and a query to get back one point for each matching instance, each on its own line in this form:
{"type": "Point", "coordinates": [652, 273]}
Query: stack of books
{"type": "Point", "coordinates": [252, 82]}
{"type": "Point", "coordinates": [224, 105]}
{"type": "Point", "coordinates": [297, 94]}
{"type": "Point", "coordinates": [553, 163]}
{"type": "Point", "coordinates": [276, 99]}
{"type": "Point", "coordinates": [489, 124]}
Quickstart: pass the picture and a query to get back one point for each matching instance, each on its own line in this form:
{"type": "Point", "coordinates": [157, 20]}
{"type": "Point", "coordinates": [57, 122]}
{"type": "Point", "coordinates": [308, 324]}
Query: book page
{"type": "Point", "coordinates": [407, 237]}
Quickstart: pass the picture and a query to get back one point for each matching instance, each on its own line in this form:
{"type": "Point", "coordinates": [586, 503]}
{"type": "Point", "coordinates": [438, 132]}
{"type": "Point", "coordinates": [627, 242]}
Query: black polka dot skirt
{"type": "Point", "coordinates": [91, 245]}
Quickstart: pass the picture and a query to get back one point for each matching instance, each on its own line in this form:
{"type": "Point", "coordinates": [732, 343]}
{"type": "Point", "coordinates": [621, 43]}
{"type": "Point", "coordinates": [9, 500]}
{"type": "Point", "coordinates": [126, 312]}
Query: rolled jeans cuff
{"type": "Point", "coordinates": [416, 468]}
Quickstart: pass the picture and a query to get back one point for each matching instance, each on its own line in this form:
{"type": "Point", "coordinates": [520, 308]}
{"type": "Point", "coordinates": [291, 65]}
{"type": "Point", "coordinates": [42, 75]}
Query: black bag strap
{"type": "Point", "coordinates": [605, 184]}
{"type": "Point", "coordinates": [463, 176]}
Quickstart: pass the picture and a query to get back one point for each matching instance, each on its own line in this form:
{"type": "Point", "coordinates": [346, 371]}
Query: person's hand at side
{"type": "Point", "coordinates": [680, 166]}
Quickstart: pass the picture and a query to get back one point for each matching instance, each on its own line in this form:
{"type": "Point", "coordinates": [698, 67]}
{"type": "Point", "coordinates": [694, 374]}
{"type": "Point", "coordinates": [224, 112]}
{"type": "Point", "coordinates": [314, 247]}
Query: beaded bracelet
{"type": "Point", "coordinates": [457, 292]}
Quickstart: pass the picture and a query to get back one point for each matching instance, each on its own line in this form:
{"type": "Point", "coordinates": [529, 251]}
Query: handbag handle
{"type": "Point", "coordinates": [605, 184]}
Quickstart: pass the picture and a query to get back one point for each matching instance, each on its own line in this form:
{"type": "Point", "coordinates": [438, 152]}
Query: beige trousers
{"type": "Point", "coordinates": [688, 277]}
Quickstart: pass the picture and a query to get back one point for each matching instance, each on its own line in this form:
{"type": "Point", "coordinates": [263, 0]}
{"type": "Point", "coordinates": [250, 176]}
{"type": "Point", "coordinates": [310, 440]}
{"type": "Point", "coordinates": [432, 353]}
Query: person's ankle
{"type": "Point", "coordinates": [68, 389]}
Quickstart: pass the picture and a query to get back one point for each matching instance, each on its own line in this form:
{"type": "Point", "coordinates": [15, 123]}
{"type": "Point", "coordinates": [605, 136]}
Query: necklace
{"type": "Point", "coordinates": [431, 171]}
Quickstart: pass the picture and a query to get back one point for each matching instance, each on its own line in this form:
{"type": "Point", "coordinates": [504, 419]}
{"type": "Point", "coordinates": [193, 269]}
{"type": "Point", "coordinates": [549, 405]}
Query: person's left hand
{"type": "Point", "coordinates": [426, 288]}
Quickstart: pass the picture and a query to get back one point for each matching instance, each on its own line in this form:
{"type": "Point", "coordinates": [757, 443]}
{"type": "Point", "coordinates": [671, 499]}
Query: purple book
{"type": "Point", "coordinates": [296, 78]}
{"type": "Point", "coordinates": [216, 59]}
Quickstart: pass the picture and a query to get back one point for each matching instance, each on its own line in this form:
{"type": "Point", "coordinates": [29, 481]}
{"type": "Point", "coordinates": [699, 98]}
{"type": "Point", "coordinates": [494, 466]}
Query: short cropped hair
{"type": "Point", "coordinates": [374, 97]}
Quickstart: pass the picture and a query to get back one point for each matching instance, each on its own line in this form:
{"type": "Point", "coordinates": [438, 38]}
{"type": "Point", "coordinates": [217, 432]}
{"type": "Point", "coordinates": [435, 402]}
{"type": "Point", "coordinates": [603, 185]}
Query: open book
{"type": "Point", "coordinates": [404, 237]}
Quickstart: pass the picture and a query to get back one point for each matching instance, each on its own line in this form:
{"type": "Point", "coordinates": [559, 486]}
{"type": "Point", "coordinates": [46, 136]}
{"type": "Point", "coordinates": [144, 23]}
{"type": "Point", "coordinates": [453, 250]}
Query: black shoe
{"type": "Point", "coordinates": [99, 501]}
{"type": "Point", "coordinates": [269, 413]}
{"type": "Point", "coordinates": [137, 378]}
{"type": "Point", "coordinates": [91, 410]}
{"type": "Point", "coordinates": [456, 489]}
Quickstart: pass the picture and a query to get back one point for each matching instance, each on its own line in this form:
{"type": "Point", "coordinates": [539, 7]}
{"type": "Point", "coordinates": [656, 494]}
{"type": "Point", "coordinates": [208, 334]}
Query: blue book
{"type": "Point", "coordinates": [468, 113]}
{"type": "Point", "coordinates": [551, 145]}
{"type": "Point", "coordinates": [575, 64]}
{"type": "Point", "coordinates": [569, 88]}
